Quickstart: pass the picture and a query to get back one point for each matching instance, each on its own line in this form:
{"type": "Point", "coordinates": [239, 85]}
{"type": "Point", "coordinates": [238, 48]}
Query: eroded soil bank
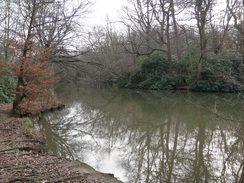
{"type": "Point", "coordinates": [23, 158]}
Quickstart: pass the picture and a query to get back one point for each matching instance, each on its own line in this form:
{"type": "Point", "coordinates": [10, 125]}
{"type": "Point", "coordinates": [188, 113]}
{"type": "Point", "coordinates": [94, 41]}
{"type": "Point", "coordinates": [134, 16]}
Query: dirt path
{"type": "Point", "coordinates": [23, 158]}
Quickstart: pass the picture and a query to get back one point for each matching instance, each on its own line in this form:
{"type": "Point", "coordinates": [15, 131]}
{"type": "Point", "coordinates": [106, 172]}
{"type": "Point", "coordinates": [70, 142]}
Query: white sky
{"type": "Point", "coordinates": [111, 8]}
{"type": "Point", "coordinates": [102, 8]}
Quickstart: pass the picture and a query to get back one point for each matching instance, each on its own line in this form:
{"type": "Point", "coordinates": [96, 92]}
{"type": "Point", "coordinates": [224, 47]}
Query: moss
{"type": "Point", "coordinates": [28, 128]}
{"type": "Point", "coordinates": [11, 113]}
{"type": "Point", "coordinates": [81, 164]}
{"type": "Point", "coordinates": [27, 122]}
{"type": "Point", "coordinates": [36, 180]}
{"type": "Point", "coordinates": [72, 178]}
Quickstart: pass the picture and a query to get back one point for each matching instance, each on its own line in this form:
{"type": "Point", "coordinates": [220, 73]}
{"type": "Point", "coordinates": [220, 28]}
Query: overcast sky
{"type": "Point", "coordinates": [102, 8]}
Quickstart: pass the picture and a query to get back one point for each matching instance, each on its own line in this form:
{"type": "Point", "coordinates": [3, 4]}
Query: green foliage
{"type": "Point", "coordinates": [153, 75]}
{"type": "Point", "coordinates": [123, 79]}
{"type": "Point", "coordinates": [187, 65]}
{"type": "Point", "coordinates": [220, 73]}
{"type": "Point", "coordinates": [108, 81]}
{"type": "Point", "coordinates": [155, 64]}
{"type": "Point", "coordinates": [6, 82]}
{"type": "Point", "coordinates": [220, 76]}
{"type": "Point", "coordinates": [150, 72]}
{"type": "Point", "coordinates": [215, 86]}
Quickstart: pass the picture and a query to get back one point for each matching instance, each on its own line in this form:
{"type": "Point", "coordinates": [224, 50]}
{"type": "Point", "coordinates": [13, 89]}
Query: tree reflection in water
{"type": "Point", "coordinates": [144, 136]}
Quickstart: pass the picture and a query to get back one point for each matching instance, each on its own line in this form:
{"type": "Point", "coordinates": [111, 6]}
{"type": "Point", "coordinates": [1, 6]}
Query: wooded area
{"type": "Point", "coordinates": [32, 33]}
{"type": "Point", "coordinates": [161, 44]}
{"type": "Point", "coordinates": [170, 44]}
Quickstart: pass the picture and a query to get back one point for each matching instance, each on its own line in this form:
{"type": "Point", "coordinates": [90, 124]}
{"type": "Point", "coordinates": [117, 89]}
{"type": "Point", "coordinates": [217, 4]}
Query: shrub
{"type": "Point", "coordinates": [220, 76]}
{"type": "Point", "coordinates": [153, 75]}
{"type": "Point", "coordinates": [151, 71]}
{"type": "Point", "coordinates": [215, 86]}
{"type": "Point", "coordinates": [6, 82]}
{"type": "Point", "coordinates": [220, 73]}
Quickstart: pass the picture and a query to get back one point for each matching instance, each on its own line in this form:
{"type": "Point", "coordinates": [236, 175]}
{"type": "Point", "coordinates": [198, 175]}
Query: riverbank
{"type": "Point", "coordinates": [23, 157]}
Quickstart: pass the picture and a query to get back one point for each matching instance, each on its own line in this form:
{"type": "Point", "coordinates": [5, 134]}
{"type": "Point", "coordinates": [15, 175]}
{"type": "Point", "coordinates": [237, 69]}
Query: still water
{"type": "Point", "coordinates": [150, 136]}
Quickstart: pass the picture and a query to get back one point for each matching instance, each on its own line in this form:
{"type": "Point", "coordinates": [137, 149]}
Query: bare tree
{"type": "Point", "coordinates": [148, 25]}
{"type": "Point", "coordinates": [139, 20]}
{"type": "Point", "coordinates": [219, 30]}
{"type": "Point", "coordinates": [106, 53]}
{"type": "Point", "coordinates": [176, 30]}
{"type": "Point", "coordinates": [58, 23]}
{"type": "Point", "coordinates": [7, 20]}
{"type": "Point", "coordinates": [201, 11]}
{"type": "Point", "coordinates": [162, 14]}
{"type": "Point", "coordinates": [236, 9]}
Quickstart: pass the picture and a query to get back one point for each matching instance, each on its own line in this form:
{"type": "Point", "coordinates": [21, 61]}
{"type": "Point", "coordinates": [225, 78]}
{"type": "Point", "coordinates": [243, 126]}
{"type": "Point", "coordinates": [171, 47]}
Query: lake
{"type": "Point", "coordinates": [150, 136]}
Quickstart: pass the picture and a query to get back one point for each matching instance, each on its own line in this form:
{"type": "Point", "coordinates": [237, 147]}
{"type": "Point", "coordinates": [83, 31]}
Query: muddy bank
{"type": "Point", "coordinates": [23, 157]}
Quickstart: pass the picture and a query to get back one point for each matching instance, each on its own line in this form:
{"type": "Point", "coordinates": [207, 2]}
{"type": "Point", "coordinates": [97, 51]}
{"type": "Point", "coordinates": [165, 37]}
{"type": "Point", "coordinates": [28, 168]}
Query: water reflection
{"type": "Point", "coordinates": [143, 136]}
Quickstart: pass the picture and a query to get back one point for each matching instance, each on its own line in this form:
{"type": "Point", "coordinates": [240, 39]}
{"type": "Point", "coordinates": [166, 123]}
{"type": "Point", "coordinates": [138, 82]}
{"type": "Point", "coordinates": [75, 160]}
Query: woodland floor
{"type": "Point", "coordinates": [23, 158]}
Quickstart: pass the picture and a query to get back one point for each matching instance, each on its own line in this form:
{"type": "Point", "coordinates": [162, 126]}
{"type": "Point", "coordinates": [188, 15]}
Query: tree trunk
{"type": "Point", "coordinates": [242, 48]}
{"type": "Point", "coordinates": [199, 68]}
{"type": "Point", "coordinates": [176, 32]}
{"type": "Point", "coordinates": [20, 95]}
{"type": "Point", "coordinates": [169, 56]}
{"type": "Point", "coordinates": [201, 10]}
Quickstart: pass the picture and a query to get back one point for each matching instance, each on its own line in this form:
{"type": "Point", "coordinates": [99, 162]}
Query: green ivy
{"type": "Point", "coordinates": [6, 82]}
